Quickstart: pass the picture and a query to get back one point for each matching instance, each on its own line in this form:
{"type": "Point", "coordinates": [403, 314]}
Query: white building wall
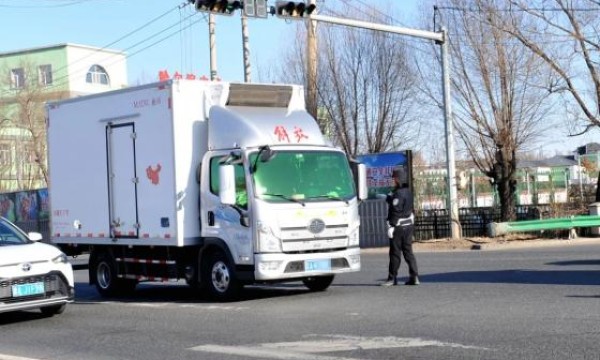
{"type": "Point", "coordinates": [82, 58]}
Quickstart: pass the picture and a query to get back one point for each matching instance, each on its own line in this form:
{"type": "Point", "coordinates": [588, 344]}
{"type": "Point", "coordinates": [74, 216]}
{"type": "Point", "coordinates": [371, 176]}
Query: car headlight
{"type": "Point", "coordinates": [60, 259]}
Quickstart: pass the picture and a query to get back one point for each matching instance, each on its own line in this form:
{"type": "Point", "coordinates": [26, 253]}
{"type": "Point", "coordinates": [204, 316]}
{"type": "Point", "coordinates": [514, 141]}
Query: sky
{"type": "Point", "coordinates": [170, 35]}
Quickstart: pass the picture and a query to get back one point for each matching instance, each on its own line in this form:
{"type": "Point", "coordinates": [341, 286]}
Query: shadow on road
{"type": "Point", "coordinates": [22, 316]}
{"type": "Point", "coordinates": [576, 262]}
{"type": "Point", "coordinates": [541, 277]}
{"type": "Point", "coordinates": [182, 294]}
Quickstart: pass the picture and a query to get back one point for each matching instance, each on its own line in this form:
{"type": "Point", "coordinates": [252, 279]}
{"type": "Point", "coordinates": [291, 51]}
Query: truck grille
{"type": "Point", "coordinates": [55, 286]}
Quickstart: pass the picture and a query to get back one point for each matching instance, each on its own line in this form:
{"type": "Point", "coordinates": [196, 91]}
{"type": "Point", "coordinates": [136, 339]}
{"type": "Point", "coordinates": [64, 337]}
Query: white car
{"type": "Point", "coordinates": [33, 275]}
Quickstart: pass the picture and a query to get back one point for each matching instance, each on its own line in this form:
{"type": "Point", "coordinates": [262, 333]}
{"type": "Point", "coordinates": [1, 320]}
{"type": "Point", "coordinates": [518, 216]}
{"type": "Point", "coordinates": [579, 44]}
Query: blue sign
{"type": "Point", "coordinates": [380, 167]}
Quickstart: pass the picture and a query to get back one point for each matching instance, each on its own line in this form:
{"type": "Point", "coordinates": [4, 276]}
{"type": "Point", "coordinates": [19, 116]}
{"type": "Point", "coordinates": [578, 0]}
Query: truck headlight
{"type": "Point", "coordinates": [267, 241]}
{"type": "Point", "coordinates": [354, 238]}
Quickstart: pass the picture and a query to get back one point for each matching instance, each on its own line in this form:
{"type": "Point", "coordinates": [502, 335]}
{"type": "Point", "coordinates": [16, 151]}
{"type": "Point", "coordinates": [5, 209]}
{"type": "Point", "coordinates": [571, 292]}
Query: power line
{"type": "Point", "coordinates": [65, 3]}
{"type": "Point", "coordinates": [472, 9]}
{"type": "Point", "coordinates": [58, 82]}
{"type": "Point", "coordinates": [151, 37]}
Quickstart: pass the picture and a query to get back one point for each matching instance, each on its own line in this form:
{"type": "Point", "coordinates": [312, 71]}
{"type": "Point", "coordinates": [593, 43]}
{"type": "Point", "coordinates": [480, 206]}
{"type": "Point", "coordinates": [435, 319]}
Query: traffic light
{"type": "Point", "coordinates": [289, 9]}
{"type": "Point", "coordinates": [224, 7]}
{"type": "Point", "coordinates": [255, 8]}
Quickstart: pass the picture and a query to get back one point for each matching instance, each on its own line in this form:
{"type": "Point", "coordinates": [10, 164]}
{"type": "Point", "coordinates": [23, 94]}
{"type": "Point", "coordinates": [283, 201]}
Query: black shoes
{"type": "Point", "coordinates": [413, 281]}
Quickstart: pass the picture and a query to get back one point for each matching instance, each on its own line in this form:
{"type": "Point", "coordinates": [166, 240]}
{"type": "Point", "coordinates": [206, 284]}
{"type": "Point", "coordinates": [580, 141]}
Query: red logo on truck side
{"type": "Point", "coordinates": [281, 133]}
{"type": "Point", "coordinates": [152, 174]}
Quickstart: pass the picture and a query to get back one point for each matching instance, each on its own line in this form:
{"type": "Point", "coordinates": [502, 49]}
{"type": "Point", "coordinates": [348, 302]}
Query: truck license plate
{"type": "Point", "coordinates": [28, 289]}
{"type": "Point", "coordinates": [317, 265]}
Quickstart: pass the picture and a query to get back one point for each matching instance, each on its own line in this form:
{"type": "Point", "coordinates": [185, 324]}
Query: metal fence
{"type": "Point", "coordinates": [534, 187]}
{"type": "Point", "coordinates": [435, 224]}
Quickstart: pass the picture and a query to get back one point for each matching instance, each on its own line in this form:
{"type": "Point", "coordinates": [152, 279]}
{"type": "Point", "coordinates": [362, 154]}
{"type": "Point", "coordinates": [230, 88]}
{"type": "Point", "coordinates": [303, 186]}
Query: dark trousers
{"type": "Point", "coordinates": [402, 244]}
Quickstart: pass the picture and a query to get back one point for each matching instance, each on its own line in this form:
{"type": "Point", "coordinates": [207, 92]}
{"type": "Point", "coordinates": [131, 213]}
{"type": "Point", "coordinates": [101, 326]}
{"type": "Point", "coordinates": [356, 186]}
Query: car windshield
{"type": "Point", "coordinates": [9, 235]}
{"type": "Point", "coordinates": [303, 176]}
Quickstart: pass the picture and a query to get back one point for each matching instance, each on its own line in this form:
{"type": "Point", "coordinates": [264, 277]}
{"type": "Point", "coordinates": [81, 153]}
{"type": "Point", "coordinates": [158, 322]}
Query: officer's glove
{"type": "Point", "coordinates": [390, 232]}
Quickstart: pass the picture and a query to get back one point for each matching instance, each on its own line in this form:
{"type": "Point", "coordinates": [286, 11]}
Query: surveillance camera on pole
{"type": "Point", "coordinates": [292, 9]}
{"type": "Point", "coordinates": [222, 7]}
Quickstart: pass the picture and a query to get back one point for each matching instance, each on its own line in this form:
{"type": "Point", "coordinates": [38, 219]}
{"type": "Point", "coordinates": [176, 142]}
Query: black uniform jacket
{"type": "Point", "coordinates": [400, 205]}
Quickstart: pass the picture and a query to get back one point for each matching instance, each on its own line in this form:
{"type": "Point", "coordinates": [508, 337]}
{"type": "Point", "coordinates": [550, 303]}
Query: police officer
{"type": "Point", "coordinates": [400, 221]}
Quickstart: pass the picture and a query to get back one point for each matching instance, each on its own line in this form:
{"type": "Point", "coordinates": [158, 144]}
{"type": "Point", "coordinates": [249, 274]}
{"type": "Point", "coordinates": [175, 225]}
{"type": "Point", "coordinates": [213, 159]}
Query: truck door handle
{"type": "Point", "coordinates": [211, 218]}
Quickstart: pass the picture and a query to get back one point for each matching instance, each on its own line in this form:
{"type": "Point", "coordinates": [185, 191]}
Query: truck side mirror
{"type": "Point", "coordinates": [227, 184]}
{"type": "Point", "coordinates": [363, 191]}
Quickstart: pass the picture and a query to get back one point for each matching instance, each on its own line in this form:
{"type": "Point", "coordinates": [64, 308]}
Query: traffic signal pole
{"type": "Point", "coordinates": [212, 43]}
{"type": "Point", "coordinates": [311, 67]}
{"type": "Point", "coordinates": [441, 38]}
{"type": "Point", "coordinates": [246, 49]}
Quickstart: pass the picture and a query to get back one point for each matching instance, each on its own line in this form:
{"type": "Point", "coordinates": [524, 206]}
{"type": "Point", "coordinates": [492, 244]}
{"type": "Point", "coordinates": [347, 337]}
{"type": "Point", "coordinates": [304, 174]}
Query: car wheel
{"type": "Point", "coordinates": [318, 283]}
{"type": "Point", "coordinates": [219, 278]}
{"type": "Point", "coordinates": [53, 310]}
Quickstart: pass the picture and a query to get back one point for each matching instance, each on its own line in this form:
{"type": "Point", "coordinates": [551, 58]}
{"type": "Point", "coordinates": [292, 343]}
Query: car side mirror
{"type": "Point", "coordinates": [35, 236]}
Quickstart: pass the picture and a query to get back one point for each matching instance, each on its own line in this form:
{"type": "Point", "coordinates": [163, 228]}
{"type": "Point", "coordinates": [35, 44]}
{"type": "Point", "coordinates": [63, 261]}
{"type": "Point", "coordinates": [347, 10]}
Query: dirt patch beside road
{"type": "Point", "coordinates": [468, 243]}
{"type": "Point", "coordinates": [486, 243]}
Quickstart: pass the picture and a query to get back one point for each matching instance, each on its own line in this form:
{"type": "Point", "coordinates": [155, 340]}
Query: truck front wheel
{"type": "Point", "coordinates": [219, 278]}
{"type": "Point", "coordinates": [318, 283]}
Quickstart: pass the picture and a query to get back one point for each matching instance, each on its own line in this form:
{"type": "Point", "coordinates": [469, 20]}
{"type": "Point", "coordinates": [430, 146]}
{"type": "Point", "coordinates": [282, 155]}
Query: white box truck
{"type": "Point", "coordinates": [220, 184]}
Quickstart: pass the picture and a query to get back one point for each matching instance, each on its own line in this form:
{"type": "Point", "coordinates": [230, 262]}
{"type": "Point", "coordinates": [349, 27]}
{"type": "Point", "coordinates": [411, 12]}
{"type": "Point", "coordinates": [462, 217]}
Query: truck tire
{"type": "Point", "coordinates": [318, 283]}
{"type": "Point", "coordinates": [107, 282]}
{"type": "Point", "coordinates": [53, 310]}
{"type": "Point", "coordinates": [219, 278]}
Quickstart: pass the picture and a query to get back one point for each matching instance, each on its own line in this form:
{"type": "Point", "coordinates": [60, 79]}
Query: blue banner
{"type": "Point", "coordinates": [380, 167]}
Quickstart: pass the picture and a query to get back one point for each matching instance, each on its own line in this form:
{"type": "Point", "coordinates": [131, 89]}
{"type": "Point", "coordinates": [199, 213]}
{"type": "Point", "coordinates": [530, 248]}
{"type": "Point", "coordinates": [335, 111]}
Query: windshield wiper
{"type": "Point", "coordinates": [330, 197]}
{"type": "Point", "coordinates": [286, 197]}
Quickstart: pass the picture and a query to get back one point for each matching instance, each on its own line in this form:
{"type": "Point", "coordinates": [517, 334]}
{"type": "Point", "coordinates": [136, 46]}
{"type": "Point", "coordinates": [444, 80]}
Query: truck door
{"type": "Point", "coordinates": [122, 180]}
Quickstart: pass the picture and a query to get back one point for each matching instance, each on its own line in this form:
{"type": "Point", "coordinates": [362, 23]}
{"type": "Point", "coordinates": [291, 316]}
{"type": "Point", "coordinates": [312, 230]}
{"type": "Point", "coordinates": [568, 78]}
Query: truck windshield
{"type": "Point", "coordinates": [293, 176]}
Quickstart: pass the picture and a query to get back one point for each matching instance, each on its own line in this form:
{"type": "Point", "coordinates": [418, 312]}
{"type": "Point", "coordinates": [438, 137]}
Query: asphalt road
{"type": "Point", "coordinates": [525, 303]}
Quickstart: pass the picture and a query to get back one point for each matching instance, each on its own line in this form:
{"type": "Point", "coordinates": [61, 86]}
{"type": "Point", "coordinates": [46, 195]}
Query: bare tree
{"type": "Point", "coordinates": [366, 88]}
{"type": "Point", "coordinates": [24, 127]}
{"type": "Point", "coordinates": [565, 35]}
{"type": "Point", "coordinates": [498, 107]}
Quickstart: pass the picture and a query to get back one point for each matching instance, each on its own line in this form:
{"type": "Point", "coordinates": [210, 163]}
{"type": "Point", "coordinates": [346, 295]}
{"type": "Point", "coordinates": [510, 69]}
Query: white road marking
{"type": "Point", "coordinates": [264, 353]}
{"type": "Point", "coordinates": [9, 357]}
{"type": "Point", "coordinates": [156, 305]}
{"type": "Point", "coordinates": [309, 349]}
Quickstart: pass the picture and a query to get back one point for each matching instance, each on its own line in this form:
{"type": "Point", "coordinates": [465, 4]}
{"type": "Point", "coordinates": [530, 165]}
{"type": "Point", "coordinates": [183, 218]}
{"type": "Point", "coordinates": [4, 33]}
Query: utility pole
{"type": "Point", "coordinates": [246, 48]}
{"type": "Point", "coordinates": [311, 67]}
{"type": "Point", "coordinates": [212, 46]}
{"type": "Point", "coordinates": [452, 201]}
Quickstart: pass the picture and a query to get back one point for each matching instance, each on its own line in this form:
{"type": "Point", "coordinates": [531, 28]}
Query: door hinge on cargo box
{"type": "Point", "coordinates": [135, 180]}
{"type": "Point", "coordinates": [133, 135]}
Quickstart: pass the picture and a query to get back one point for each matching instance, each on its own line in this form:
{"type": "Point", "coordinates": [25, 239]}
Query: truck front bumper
{"type": "Point", "coordinates": [291, 266]}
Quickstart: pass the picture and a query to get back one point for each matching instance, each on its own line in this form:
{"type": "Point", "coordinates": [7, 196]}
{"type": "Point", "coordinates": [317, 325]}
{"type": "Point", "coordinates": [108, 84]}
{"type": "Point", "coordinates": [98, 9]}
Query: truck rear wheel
{"type": "Point", "coordinates": [318, 283]}
{"type": "Point", "coordinates": [219, 278]}
{"type": "Point", "coordinates": [107, 282]}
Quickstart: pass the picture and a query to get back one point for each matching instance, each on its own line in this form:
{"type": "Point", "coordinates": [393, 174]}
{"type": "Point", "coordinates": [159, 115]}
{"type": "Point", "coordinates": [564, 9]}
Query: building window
{"type": "Point", "coordinates": [29, 156]}
{"type": "Point", "coordinates": [45, 75]}
{"type": "Point", "coordinates": [5, 154]}
{"type": "Point", "coordinates": [17, 78]}
{"type": "Point", "coordinates": [97, 75]}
